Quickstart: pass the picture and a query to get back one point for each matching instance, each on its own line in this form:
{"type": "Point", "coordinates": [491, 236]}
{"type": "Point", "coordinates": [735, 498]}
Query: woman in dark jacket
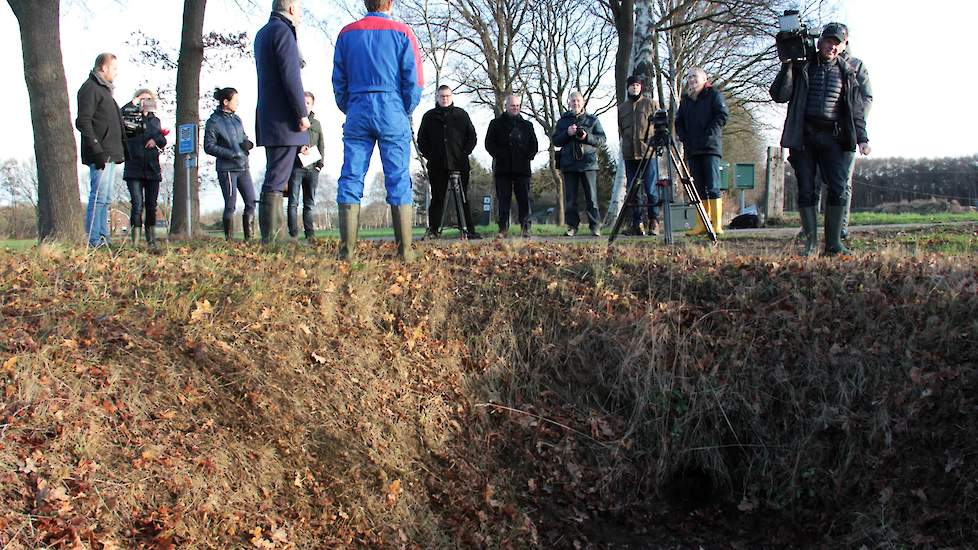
{"type": "Point", "coordinates": [225, 139]}
{"type": "Point", "coordinates": [145, 140]}
{"type": "Point", "coordinates": [699, 125]}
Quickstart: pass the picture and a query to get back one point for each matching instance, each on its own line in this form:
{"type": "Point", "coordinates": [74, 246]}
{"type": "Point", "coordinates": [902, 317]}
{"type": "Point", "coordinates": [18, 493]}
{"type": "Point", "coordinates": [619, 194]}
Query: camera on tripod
{"type": "Point", "coordinates": [660, 127]}
{"type": "Point", "coordinates": [133, 121]}
{"type": "Point", "coordinates": [794, 41]}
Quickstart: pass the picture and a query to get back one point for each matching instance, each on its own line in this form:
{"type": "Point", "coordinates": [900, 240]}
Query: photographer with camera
{"type": "Point", "coordinates": [512, 144]}
{"type": "Point", "coordinates": [634, 126]}
{"type": "Point", "coordinates": [825, 124]}
{"type": "Point", "coordinates": [226, 140]}
{"type": "Point", "coordinates": [700, 120]}
{"type": "Point", "coordinates": [99, 121]}
{"type": "Point", "coordinates": [579, 135]}
{"type": "Point", "coordinates": [145, 140]}
{"type": "Point", "coordinates": [446, 138]}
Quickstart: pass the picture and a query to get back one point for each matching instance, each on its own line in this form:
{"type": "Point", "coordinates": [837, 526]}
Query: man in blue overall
{"type": "Point", "coordinates": [377, 82]}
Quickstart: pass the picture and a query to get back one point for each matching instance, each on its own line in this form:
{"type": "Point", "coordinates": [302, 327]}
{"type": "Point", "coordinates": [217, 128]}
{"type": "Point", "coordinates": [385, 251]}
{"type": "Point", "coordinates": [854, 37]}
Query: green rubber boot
{"type": "Point", "coordinates": [270, 216]}
{"type": "Point", "coordinates": [833, 230]}
{"type": "Point", "coordinates": [809, 228]}
{"type": "Point", "coordinates": [402, 231]}
{"type": "Point", "coordinates": [349, 226]}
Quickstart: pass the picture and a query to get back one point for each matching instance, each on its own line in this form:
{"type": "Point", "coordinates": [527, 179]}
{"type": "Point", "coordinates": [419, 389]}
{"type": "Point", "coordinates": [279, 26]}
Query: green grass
{"type": "Point", "coordinates": [790, 219]}
{"type": "Point", "coordinates": [17, 244]}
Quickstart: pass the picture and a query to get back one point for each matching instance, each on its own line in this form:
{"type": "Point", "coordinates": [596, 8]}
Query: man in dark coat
{"type": "Point", "coordinates": [446, 138]}
{"type": "Point", "coordinates": [306, 178]}
{"type": "Point", "coordinates": [282, 118]}
{"type": "Point", "coordinates": [579, 135]}
{"type": "Point", "coordinates": [512, 143]}
{"type": "Point", "coordinates": [825, 124]}
{"type": "Point", "coordinates": [100, 123]}
{"type": "Point", "coordinates": [700, 120]}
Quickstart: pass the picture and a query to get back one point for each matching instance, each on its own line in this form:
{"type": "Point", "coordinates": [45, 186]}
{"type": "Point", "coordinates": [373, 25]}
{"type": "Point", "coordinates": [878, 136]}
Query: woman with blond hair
{"type": "Point", "coordinates": [145, 139]}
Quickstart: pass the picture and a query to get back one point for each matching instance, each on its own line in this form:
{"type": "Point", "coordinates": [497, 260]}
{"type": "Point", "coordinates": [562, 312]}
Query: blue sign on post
{"type": "Point", "coordinates": [186, 135]}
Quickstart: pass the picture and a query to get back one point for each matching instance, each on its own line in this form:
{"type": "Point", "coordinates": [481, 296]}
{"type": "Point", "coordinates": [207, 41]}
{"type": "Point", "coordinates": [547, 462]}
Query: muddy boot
{"type": "Point", "coordinates": [270, 216]}
{"type": "Point", "coordinates": [833, 230]}
{"type": "Point", "coordinates": [134, 234]}
{"type": "Point", "coordinates": [248, 226]}
{"type": "Point", "coordinates": [227, 223]}
{"type": "Point", "coordinates": [349, 226]}
{"type": "Point", "coordinates": [809, 228]}
{"type": "Point", "coordinates": [402, 231]}
{"type": "Point", "coordinates": [151, 237]}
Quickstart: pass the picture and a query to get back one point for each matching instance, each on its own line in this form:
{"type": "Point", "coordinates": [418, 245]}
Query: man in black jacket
{"type": "Point", "coordinates": [512, 143]}
{"type": "Point", "coordinates": [700, 120]}
{"type": "Point", "coordinates": [306, 178]}
{"type": "Point", "coordinates": [579, 135]}
{"type": "Point", "coordinates": [100, 124]}
{"type": "Point", "coordinates": [826, 123]}
{"type": "Point", "coordinates": [446, 138]}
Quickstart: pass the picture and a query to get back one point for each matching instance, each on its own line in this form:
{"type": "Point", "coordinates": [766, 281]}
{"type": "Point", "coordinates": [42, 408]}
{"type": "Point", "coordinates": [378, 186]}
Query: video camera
{"type": "Point", "coordinates": [660, 127]}
{"type": "Point", "coordinates": [133, 121]}
{"type": "Point", "coordinates": [794, 41]}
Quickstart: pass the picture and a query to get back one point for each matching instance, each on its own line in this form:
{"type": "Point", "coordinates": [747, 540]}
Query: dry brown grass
{"type": "Point", "coordinates": [507, 395]}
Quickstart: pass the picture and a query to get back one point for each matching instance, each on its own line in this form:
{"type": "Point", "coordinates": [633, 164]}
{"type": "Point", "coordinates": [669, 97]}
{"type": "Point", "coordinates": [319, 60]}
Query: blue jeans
{"type": "Point", "coordinates": [304, 180]}
{"type": "Point", "coordinates": [573, 181]}
{"type": "Point", "coordinates": [649, 185]}
{"type": "Point", "coordinates": [705, 170]}
{"type": "Point", "coordinates": [99, 198]}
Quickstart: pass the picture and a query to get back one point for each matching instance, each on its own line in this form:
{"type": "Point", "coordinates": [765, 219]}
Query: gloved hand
{"type": "Point", "coordinates": [101, 159]}
{"type": "Point", "coordinates": [247, 145]}
{"type": "Point", "coordinates": [318, 165]}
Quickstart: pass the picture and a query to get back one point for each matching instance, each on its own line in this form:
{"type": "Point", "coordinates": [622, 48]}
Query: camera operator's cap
{"type": "Point", "coordinates": [636, 79]}
{"type": "Point", "coordinates": [836, 30]}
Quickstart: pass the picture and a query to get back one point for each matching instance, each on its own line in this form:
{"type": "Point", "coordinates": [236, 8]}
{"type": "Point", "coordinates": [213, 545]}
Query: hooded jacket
{"type": "Point", "coordinates": [700, 122]}
{"type": "Point", "coordinates": [512, 143]}
{"type": "Point", "coordinates": [578, 155]}
{"type": "Point", "coordinates": [446, 138]}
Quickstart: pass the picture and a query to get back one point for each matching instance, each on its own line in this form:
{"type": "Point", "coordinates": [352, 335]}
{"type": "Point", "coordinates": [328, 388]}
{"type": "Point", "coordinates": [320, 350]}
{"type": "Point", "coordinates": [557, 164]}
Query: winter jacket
{"type": "Point", "coordinates": [634, 126]}
{"type": "Point", "coordinates": [143, 163]}
{"type": "Point", "coordinates": [700, 122]}
{"type": "Point", "coordinates": [316, 140]}
{"type": "Point", "coordinates": [512, 143]}
{"type": "Point", "coordinates": [377, 55]}
{"type": "Point", "coordinates": [99, 122]}
{"type": "Point", "coordinates": [576, 155]}
{"type": "Point", "coordinates": [446, 138]}
{"type": "Point", "coordinates": [281, 97]}
{"type": "Point", "coordinates": [791, 86]}
{"type": "Point", "coordinates": [223, 135]}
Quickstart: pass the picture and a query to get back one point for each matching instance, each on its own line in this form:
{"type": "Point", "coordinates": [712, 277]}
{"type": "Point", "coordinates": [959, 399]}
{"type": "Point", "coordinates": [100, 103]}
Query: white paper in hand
{"type": "Point", "coordinates": [310, 157]}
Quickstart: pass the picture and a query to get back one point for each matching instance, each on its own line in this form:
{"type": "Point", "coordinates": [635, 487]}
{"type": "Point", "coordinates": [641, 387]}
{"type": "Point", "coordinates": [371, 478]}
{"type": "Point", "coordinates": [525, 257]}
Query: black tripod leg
{"type": "Point", "coordinates": [691, 193]}
{"type": "Point", "coordinates": [460, 212]}
{"type": "Point", "coordinates": [633, 187]}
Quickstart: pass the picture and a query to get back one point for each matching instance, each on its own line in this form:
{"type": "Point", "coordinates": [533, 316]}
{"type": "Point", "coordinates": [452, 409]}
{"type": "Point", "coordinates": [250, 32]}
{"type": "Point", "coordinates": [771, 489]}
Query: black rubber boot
{"type": "Point", "coordinates": [228, 225]}
{"type": "Point", "coordinates": [809, 227]}
{"type": "Point", "coordinates": [833, 231]}
{"type": "Point", "coordinates": [248, 226]}
{"type": "Point", "coordinates": [151, 236]}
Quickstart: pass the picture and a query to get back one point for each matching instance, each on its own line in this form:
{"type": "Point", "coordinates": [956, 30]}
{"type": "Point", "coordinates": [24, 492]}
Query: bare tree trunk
{"type": "Point", "coordinates": [59, 205]}
{"type": "Point", "coordinates": [188, 98]}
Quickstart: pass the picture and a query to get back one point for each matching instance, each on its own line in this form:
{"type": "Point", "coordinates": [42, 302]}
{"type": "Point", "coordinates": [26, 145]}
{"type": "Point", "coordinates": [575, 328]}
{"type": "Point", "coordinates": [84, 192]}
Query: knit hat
{"type": "Point", "coordinates": [636, 79]}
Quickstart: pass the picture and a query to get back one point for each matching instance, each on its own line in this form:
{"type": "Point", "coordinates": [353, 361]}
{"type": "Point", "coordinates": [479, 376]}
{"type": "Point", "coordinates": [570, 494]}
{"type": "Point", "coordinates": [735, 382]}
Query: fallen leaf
{"type": "Point", "coordinates": [203, 309]}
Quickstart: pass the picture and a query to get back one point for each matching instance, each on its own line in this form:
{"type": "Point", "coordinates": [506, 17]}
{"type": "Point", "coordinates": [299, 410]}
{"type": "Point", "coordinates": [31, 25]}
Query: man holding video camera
{"type": "Point", "coordinates": [826, 123]}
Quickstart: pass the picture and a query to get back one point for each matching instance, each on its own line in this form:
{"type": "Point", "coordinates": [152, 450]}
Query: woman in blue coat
{"type": "Point", "coordinates": [226, 140]}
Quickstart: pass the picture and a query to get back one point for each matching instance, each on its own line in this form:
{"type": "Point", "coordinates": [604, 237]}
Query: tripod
{"type": "Point", "coordinates": [458, 197]}
{"type": "Point", "coordinates": [661, 143]}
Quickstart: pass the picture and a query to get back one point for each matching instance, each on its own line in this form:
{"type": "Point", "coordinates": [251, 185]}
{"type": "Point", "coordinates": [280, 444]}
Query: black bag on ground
{"type": "Point", "coordinates": [745, 221]}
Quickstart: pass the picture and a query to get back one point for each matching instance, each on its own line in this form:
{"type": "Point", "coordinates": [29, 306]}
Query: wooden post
{"type": "Point", "coordinates": [774, 184]}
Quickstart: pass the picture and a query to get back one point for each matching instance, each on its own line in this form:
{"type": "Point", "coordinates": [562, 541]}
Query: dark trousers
{"type": "Point", "coordinates": [705, 170]}
{"type": "Point", "coordinates": [143, 194]}
{"type": "Point", "coordinates": [649, 185]}
{"type": "Point", "coordinates": [278, 167]}
{"type": "Point", "coordinates": [822, 153]}
{"type": "Point", "coordinates": [439, 192]}
{"type": "Point", "coordinates": [233, 183]}
{"type": "Point", "coordinates": [306, 180]}
{"type": "Point", "coordinates": [506, 186]}
{"type": "Point", "coordinates": [589, 181]}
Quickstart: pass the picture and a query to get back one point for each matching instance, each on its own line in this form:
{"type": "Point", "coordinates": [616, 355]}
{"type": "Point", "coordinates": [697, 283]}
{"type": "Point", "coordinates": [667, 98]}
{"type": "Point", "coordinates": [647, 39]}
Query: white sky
{"type": "Point", "coordinates": [916, 53]}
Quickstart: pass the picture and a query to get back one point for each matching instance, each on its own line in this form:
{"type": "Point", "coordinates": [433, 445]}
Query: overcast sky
{"type": "Point", "coordinates": [916, 52]}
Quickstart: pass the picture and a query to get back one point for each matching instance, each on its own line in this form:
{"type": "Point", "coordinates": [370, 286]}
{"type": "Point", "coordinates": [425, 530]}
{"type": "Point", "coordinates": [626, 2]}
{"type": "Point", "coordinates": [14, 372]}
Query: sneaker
{"type": "Point", "coordinates": [472, 235]}
{"type": "Point", "coordinates": [429, 235]}
{"type": "Point", "coordinates": [571, 231]}
{"type": "Point", "coordinates": [503, 232]}
{"type": "Point", "coordinates": [653, 227]}
{"type": "Point", "coordinates": [595, 232]}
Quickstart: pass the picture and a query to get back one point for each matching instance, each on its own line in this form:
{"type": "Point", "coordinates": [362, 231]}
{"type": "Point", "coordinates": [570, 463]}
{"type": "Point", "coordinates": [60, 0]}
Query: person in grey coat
{"type": "Point", "coordinates": [579, 135]}
{"type": "Point", "coordinates": [226, 140]}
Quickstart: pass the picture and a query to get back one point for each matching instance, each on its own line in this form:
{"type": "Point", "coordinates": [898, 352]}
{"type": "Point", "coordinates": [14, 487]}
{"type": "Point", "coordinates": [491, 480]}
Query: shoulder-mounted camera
{"type": "Point", "coordinates": [794, 41]}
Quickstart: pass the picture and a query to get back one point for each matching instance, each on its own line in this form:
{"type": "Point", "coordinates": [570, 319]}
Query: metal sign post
{"type": "Point", "coordinates": [187, 138]}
